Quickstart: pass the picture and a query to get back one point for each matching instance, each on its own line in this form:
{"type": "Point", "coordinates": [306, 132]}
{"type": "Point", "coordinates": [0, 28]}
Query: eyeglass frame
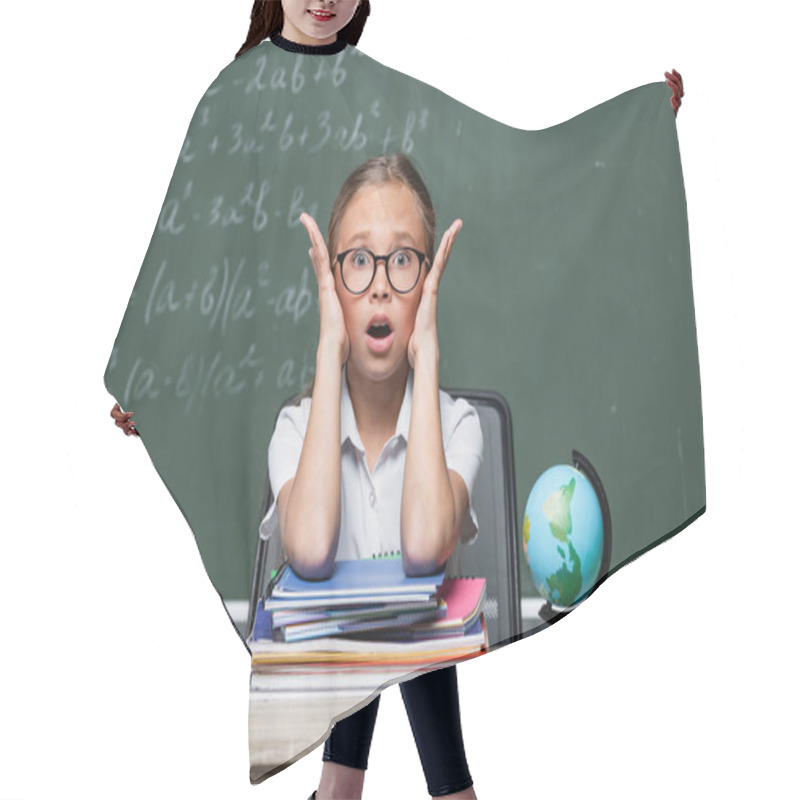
{"type": "Point", "coordinates": [423, 257]}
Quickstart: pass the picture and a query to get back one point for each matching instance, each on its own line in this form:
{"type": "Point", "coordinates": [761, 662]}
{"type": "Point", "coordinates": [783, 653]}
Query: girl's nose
{"type": "Point", "coordinates": [380, 285]}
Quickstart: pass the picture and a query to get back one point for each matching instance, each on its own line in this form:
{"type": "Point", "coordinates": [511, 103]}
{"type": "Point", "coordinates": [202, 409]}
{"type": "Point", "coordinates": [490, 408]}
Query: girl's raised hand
{"type": "Point", "coordinates": [331, 319]}
{"type": "Point", "coordinates": [675, 82]}
{"type": "Point", "coordinates": [424, 337]}
{"type": "Point", "coordinates": [124, 420]}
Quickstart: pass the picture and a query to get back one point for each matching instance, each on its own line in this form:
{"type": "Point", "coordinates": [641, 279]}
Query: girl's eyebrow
{"type": "Point", "coordinates": [399, 238]}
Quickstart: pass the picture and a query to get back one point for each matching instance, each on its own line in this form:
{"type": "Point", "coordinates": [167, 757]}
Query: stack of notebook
{"type": "Point", "coordinates": [367, 616]}
{"type": "Point", "coordinates": [360, 596]}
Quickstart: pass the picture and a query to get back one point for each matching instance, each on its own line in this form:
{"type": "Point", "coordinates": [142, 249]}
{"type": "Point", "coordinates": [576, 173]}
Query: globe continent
{"type": "Point", "coordinates": [563, 535]}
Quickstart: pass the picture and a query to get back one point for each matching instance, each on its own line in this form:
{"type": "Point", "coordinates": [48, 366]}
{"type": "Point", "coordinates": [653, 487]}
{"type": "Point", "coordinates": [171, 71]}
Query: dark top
{"type": "Point", "coordinates": [317, 50]}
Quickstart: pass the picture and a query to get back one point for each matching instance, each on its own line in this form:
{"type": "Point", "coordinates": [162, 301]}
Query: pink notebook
{"type": "Point", "coordinates": [464, 598]}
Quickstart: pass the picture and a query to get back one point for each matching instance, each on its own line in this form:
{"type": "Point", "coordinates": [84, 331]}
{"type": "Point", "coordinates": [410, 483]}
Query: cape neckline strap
{"type": "Point", "coordinates": [319, 49]}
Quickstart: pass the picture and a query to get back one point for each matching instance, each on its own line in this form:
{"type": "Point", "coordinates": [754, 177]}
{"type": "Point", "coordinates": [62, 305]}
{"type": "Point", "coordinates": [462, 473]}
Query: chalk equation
{"type": "Point", "coordinates": [227, 293]}
{"type": "Point", "coordinates": [304, 72]}
{"type": "Point", "coordinates": [200, 377]}
{"type": "Point", "coordinates": [249, 208]}
{"type": "Point", "coordinates": [218, 317]}
{"type": "Point", "coordinates": [290, 131]}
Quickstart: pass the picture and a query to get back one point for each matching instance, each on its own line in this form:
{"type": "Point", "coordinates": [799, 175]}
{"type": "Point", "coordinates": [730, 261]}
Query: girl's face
{"type": "Point", "coordinates": [315, 22]}
{"type": "Point", "coordinates": [380, 218]}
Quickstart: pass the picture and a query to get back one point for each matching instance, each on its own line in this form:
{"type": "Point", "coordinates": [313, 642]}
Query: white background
{"type": "Point", "coordinates": [677, 678]}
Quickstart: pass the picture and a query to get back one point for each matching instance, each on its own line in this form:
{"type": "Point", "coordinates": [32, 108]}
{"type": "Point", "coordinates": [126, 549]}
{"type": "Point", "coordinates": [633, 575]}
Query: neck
{"type": "Point", "coordinates": [376, 404]}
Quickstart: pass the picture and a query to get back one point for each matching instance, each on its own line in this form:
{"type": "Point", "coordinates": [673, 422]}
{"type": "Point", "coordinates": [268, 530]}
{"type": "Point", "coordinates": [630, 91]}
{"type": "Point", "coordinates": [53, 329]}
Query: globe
{"type": "Point", "coordinates": [562, 534]}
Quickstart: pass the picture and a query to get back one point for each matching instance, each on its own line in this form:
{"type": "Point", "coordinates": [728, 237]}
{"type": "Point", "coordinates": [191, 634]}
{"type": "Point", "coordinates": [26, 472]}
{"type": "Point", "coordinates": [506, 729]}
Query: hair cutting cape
{"type": "Point", "coordinates": [568, 296]}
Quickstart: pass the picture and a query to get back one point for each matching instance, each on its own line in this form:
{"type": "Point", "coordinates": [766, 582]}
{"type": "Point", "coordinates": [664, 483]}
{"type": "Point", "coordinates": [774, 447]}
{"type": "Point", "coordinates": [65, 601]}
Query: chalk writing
{"type": "Point", "coordinates": [279, 78]}
{"type": "Point", "coordinates": [293, 300]}
{"type": "Point", "coordinates": [200, 377]}
{"type": "Point", "coordinates": [225, 214]}
{"type": "Point", "coordinates": [227, 294]}
{"type": "Point", "coordinates": [364, 131]}
{"type": "Point", "coordinates": [187, 155]}
{"type": "Point", "coordinates": [250, 210]}
{"type": "Point", "coordinates": [168, 221]}
{"type": "Point", "coordinates": [209, 272]}
{"type": "Point", "coordinates": [263, 277]}
{"type": "Point", "coordinates": [297, 207]}
{"type": "Point", "coordinates": [293, 378]}
{"type": "Point", "coordinates": [140, 384]}
{"type": "Point", "coordinates": [226, 301]}
{"type": "Point", "coordinates": [241, 144]}
{"type": "Point", "coordinates": [223, 298]}
{"type": "Point", "coordinates": [405, 140]}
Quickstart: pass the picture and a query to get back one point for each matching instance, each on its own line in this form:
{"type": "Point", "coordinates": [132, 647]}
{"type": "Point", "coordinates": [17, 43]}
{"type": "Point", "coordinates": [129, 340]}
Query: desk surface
{"type": "Point", "coordinates": [293, 707]}
{"type": "Point", "coordinates": [286, 723]}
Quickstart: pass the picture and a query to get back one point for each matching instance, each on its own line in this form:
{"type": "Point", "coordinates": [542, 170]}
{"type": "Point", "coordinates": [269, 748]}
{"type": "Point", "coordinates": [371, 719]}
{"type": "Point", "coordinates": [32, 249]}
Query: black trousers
{"type": "Point", "coordinates": [431, 702]}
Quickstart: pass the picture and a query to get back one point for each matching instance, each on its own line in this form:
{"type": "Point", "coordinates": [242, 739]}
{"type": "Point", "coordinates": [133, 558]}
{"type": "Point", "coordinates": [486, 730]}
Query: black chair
{"type": "Point", "coordinates": [493, 555]}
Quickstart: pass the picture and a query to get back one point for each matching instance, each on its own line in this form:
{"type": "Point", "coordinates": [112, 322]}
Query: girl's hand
{"type": "Point", "coordinates": [424, 336]}
{"type": "Point", "coordinates": [675, 82]}
{"type": "Point", "coordinates": [124, 420]}
{"type": "Point", "coordinates": [331, 319]}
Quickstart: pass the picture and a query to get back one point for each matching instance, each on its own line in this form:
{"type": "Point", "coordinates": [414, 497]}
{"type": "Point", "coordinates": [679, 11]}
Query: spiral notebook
{"type": "Point", "coordinates": [361, 578]}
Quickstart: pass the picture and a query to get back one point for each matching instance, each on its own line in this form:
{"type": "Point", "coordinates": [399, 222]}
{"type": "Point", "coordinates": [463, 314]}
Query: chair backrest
{"type": "Point", "coordinates": [493, 555]}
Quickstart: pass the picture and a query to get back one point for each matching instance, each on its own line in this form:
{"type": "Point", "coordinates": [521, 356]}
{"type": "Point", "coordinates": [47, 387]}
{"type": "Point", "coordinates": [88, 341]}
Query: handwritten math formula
{"type": "Point", "coordinates": [227, 299]}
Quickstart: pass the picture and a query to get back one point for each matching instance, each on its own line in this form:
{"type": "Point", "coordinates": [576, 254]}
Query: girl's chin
{"type": "Point", "coordinates": [378, 367]}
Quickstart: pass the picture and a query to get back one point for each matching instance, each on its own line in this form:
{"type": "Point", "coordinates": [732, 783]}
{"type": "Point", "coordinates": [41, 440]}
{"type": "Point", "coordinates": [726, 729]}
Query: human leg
{"type": "Point", "coordinates": [345, 755]}
{"type": "Point", "coordinates": [433, 710]}
{"type": "Point", "coordinates": [338, 782]}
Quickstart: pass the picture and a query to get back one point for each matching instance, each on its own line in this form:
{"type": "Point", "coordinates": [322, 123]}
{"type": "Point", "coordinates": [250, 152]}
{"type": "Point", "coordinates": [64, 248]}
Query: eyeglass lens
{"type": "Point", "coordinates": [403, 267]}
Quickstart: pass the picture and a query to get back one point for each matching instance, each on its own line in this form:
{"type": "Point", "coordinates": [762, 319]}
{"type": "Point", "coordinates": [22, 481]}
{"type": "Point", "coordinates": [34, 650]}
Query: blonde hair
{"type": "Point", "coordinates": [374, 172]}
{"type": "Point", "coordinates": [379, 170]}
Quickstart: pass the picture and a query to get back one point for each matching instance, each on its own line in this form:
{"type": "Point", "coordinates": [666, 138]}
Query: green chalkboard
{"type": "Point", "coordinates": [569, 289]}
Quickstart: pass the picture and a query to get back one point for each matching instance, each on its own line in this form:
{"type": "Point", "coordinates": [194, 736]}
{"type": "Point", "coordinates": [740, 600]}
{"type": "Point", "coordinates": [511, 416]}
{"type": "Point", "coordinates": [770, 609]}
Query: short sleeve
{"type": "Point", "coordinates": [284, 456]}
{"type": "Point", "coordinates": [463, 452]}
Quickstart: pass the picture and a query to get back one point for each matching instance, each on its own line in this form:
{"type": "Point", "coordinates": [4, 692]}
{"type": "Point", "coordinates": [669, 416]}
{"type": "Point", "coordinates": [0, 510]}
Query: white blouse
{"type": "Point", "coordinates": [370, 522]}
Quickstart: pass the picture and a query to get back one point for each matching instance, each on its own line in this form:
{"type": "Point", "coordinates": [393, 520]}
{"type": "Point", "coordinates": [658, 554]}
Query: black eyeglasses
{"type": "Point", "coordinates": [359, 266]}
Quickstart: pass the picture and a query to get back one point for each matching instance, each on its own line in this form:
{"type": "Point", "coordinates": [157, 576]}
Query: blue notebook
{"type": "Point", "coordinates": [262, 626]}
{"type": "Point", "coordinates": [359, 578]}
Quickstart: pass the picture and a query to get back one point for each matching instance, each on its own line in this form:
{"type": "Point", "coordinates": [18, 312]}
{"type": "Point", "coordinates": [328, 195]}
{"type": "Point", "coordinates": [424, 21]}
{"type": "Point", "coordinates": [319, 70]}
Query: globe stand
{"type": "Point", "coordinates": [549, 613]}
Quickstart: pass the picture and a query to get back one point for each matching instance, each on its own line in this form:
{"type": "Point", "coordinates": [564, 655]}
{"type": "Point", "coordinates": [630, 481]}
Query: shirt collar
{"type": "Point", "coordinates": [348, 417]}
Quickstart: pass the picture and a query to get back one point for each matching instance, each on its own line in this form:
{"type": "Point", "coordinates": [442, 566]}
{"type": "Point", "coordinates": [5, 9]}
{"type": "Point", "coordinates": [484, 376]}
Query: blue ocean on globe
{"type": "Point", "coordinates": [562, 535]}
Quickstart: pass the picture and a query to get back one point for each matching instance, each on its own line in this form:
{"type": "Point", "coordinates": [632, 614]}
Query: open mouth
{"type": "Point", "coordinates": [380, 334]}
{"type": "Point", "coordinates": [379, 331]}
